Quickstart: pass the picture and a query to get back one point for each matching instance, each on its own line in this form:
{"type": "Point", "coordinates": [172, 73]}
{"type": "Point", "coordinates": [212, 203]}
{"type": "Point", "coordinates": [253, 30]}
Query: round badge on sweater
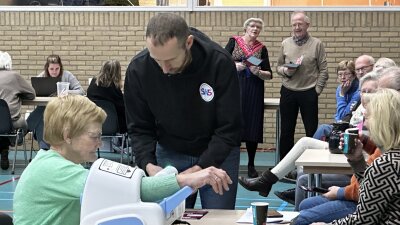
{"type": "Point", "coordinates": [206, 92]}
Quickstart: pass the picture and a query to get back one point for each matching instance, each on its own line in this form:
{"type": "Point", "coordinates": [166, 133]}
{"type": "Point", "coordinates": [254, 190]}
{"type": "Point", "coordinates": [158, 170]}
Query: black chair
{"type": "Point", "coordinates": [7, 130]}
{"type": "Point", "coordinates": [110, 127]}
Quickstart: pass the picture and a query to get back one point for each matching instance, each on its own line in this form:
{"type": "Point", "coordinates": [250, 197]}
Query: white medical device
{"type": "Point", "coordinates": [112, 197]}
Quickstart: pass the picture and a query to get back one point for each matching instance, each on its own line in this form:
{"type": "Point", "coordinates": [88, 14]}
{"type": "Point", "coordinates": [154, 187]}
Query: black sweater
{"type": "Point", "coordinates": [171, 110]}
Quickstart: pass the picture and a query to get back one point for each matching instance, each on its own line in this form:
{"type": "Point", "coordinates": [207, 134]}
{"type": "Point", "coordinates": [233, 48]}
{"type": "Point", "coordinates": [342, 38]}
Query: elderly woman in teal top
{"type": "Point", "coordinates": [49, 189]}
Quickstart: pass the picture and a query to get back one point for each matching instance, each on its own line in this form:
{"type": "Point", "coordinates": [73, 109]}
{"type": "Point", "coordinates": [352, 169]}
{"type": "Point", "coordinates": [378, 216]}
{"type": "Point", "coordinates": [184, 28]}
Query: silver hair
{"type": "Point", "coordinates": [306, 18]}
{"type": "Point", "coordinates": [371, 76]}
{"type": "Point", "coordinates": [383, 63]}
{"type": "Point", "coordinates": [393, 73]}
{"type": "Point", "coordinates": [249, 20]}
{"type": "Point", "coordinates": [5, 61]}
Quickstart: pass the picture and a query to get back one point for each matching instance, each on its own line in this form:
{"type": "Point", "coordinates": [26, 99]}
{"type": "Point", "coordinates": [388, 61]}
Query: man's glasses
{"type": "Point", "coordinates": [363, 69]}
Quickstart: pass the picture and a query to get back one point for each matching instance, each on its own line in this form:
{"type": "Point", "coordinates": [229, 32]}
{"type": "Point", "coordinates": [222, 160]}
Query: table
{"type": "Point", "coordinates": [273, 103]}
{"type": "Point", "coordinates": [321, 161]}
{"type": "Point", "coordinates": [220, 217]}
{"type": "Point", "coordinates": [38, 101]}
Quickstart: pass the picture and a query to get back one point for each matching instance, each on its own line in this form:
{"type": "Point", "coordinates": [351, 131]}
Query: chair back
{"type": "Point", "coordinates": [5, 117]}
{"type": "Point", "coordinates": [111, 125]}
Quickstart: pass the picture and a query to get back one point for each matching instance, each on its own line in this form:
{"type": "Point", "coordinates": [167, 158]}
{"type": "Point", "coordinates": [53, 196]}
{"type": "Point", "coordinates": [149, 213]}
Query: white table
{"type": "Point", "coordinates": [321, 161]}
{"type": "Point", "coordinates": [273, 103]}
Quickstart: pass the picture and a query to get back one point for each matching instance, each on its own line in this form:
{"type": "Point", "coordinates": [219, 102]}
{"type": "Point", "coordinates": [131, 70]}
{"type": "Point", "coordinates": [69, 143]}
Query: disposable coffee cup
{"type": "Point", "coordinates": [62, 88]}
{"type": "Point", "coordinates": [260, 210]}
{"type": "Point", "coordinates": [349, 142]}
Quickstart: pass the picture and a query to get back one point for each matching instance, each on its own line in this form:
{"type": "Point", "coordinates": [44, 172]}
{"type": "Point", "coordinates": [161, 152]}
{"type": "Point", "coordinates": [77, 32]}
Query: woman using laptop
{"type": "Point", "coordinates": [52, 68]}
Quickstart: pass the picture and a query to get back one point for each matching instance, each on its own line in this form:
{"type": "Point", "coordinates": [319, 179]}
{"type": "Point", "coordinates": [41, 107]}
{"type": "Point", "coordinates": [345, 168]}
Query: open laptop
{"type": "Point", "coordinates": [45, 86]}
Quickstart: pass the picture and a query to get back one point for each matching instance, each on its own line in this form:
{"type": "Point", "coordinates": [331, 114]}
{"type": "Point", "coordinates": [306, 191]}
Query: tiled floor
{"type": "Point", "coordinates": [264, 160]}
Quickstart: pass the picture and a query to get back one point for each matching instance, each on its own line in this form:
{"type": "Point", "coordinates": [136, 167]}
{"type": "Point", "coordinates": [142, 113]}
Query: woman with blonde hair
{"type": "Point", "coordinates": [379, 200]}
{"type": "Point", "coordinates": [107, 86]}
{"type": "Point", "coordinates": [49, 189]}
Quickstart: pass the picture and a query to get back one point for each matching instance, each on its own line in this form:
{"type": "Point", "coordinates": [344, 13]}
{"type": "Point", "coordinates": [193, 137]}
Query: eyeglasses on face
{"type": "Point", "coordinates": [366, 91]}
{"type": "Point", "coordinates": [344, 74]}
{"type": "Point", "coordinates": [95, 135]}
{"type": "Point", "coordinates": [364, 68]}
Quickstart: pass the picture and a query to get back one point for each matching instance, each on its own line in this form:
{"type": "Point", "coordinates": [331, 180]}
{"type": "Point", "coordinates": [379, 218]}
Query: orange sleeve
{"type": "Point", "coordinates": [351, 190]}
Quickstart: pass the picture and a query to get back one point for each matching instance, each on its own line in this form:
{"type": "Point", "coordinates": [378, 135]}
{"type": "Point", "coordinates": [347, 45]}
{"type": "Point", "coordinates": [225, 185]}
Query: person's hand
{"type": "Point", "coordinates": [240, 66]}
{"type": "Point", "coordinates": [192, 169]}
{"type": "Point", "coordinates": [254, 70]}
{"type": "Point", "coordinates": [289, 71]}
{"type": "Point", "coordinates": [217, 178]}
{"type": "Point", "coordinates": [345, 87]}
{"type": "Point", "coordinates": [152, 169]}
{"type": "Point", "coordinates": [357, 153]}
{"type": "Point", "coordinates": [332, 193]}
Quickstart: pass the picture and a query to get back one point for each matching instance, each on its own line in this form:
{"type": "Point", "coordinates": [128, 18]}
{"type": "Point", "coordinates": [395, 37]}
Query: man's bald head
{"type": "Point", "coordinates": [364, 64]}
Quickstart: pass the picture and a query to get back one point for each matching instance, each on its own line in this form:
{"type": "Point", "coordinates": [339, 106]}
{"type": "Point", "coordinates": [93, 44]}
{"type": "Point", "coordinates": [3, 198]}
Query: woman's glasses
{"type": "Point", "coordinates": [96, 136]}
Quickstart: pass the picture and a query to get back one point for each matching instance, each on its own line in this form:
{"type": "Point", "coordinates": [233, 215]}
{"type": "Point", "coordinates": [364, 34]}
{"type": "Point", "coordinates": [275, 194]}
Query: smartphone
{"type": "Point", "coordinates": [314, 189]}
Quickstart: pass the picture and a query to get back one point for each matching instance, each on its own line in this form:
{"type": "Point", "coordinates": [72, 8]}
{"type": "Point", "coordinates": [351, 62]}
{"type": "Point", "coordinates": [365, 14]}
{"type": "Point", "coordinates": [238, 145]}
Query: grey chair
{"type": "Point", "coordinates": [110, 127]}
{"type": "Point", "coordinates": [7, 130]}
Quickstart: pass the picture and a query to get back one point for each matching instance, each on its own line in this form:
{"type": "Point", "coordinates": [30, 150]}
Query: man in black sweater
{"type": "Point", "coordinates": [183, 106]}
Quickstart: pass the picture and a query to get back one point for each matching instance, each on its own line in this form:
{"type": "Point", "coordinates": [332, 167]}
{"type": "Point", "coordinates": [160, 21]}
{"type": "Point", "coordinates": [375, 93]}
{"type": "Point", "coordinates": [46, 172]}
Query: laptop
{"type": "Point", "coordinates": [45, 86]}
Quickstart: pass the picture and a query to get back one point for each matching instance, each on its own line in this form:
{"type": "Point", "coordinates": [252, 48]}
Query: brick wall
{"type": "Point", "coordinates": [86, 39]}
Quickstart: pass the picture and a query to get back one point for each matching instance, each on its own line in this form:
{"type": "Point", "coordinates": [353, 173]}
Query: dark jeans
{"type": "Point", "coordinates": [209, 199]}
{"type": "Point", "coordinates": [290, 103]}
{"type": "Point", "coordinates": [4, 143]}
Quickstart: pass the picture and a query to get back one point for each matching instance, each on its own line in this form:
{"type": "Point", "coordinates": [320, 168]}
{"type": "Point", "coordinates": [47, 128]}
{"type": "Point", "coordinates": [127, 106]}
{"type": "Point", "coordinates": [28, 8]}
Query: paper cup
{"type": "Point", "coordinates": [62, 88]}
{"type": "Point", "coordinates": [260, 210]}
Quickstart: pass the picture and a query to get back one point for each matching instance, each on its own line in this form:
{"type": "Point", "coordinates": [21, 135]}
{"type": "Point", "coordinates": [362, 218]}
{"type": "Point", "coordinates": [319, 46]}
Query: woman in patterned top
{"type": "Point", "coordinates": [251, 80]}
{"type": "Point", "coordinates": [379, 201]}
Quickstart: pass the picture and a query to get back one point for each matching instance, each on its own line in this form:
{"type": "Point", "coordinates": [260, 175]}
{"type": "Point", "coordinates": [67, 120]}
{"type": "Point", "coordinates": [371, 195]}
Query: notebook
{"type": "Point", "coordinates": [45, 86]}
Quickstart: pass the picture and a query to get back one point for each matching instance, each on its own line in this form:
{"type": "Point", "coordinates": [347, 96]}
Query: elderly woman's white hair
{"type": "Point", "coordinates": [5, 61]}
{"type": "Point", "coordinates": [249, 20]}
{"type": "Point", "coordinates": [383, 63]}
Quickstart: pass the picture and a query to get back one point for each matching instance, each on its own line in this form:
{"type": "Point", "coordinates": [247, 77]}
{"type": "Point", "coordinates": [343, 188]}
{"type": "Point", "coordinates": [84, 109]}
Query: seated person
{"type": "Point", "coordinates": [347, 96]}
{"type": "Point", "coordinates": [382, 64]}
{"type": "Point", "coordinates": [52, 68]}
{"type": "Point", "coordinates": [107, 86]}
{"type": "Point", "coordinates": [49, 190]}
{"type": "Point", "coordinates": [379, 198]}
{"type": "Point", "coordinates": [13, 88]}
{"type": "Point", "coordinates": [264, 183]}
{"type": "Point", "coordinates": [369, 84]}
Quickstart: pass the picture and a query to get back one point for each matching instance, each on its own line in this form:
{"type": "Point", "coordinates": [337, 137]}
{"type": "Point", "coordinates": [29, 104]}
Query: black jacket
{"type": "Point", "coordinates": [171, 110]}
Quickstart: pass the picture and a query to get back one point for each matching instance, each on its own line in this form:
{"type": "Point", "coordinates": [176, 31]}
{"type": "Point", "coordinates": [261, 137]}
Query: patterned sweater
{"type": "Point", "coordinates": [379, 201]}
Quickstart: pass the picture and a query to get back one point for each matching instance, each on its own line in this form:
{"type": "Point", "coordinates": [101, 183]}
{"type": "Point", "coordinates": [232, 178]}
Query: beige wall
{"type": "Point", "coordinates": [85, 39]}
